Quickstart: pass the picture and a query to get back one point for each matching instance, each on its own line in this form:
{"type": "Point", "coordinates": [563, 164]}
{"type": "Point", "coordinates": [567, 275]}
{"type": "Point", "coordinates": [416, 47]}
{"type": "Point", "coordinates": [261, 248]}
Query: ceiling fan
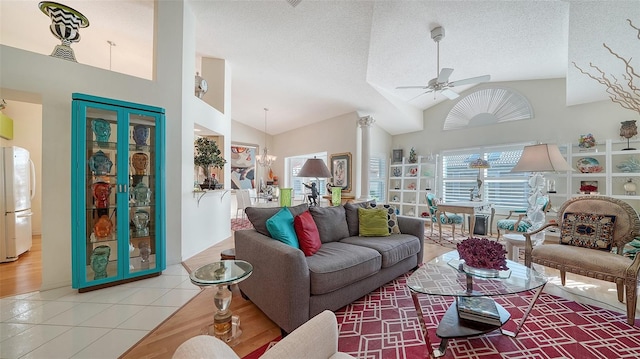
{"type": "Point", "coordinates": [441, 83]}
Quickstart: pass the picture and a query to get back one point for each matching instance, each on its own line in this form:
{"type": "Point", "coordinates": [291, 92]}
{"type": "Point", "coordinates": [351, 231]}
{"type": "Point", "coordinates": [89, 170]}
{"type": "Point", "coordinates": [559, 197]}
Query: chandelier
{"type": "Point", "coordinates": [265, 159]}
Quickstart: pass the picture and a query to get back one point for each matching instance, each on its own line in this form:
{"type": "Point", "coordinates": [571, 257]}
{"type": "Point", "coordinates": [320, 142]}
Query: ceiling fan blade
{"type": "Point", "coordinates": [412, 87]}
{"type": "Point", "coordinates": [415, 97]}
{"type": "Point", "coordinates": [443, 77]}
{"type": "Point", "coordinates": [450, 94]}
{"type": "Point", "coordinates": [471, 80]}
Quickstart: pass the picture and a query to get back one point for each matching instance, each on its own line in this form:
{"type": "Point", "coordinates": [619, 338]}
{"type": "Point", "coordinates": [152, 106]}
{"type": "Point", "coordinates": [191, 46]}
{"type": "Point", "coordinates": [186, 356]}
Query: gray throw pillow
{"type": "Point", "coordinates": [258, 215]}
{"type": "Point", "coordinates": [331, 223]}
{"type": "Point", "coordinates": [351, 211]}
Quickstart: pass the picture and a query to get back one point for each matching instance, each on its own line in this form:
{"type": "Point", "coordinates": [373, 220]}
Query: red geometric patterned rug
{"type": "Point", "coordinates": [383, 324]}
{"type": "Point", "coordinates": [240, 223]}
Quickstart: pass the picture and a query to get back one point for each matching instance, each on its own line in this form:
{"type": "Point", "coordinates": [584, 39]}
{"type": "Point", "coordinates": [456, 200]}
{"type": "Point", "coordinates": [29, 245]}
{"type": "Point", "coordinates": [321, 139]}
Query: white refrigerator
{"type": "Point", "coordinates": [17, 188]}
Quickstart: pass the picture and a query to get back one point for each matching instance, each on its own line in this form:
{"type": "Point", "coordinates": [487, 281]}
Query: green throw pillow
{"type": "Point", "coordinates": [280, 226]}
{"type": "Point", "coordinates": [373, 222]}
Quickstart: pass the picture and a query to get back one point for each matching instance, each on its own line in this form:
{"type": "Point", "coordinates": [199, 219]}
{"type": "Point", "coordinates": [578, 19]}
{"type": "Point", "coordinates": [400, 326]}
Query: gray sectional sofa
{"type": "Point", "coordinates": [290, 288]}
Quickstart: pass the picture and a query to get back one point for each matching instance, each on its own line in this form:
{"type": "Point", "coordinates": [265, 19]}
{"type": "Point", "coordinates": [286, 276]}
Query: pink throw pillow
{"type": "Point", "coordinates": [307, 232]}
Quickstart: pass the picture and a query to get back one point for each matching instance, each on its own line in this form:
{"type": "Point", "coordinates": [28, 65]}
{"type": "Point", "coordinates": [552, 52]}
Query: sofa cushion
{"type": "Point", "coordinates": [337, 265]}
{"type": "Point", "coordinates": [394, 248]}
{"type": "Point", "coordinates": [392, 219]}
{"type": "Point", "coordinates": [307, 233]}
{"type": "Point", "coordinates": [331, 222]}
{"type": "Point", "coordinates": [588, 230]}
{"type": "Point", "coordinates": [372, 222]}
{"type": "Point", "coordinates": [258, 215]}
{"type": "Point", "coordinates": [351, 213]}
{"type": "Point", "coordinates": [280, 226]}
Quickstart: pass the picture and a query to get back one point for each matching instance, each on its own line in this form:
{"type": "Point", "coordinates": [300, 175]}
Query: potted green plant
{"type": "Point", "coordinates": [207, 155]}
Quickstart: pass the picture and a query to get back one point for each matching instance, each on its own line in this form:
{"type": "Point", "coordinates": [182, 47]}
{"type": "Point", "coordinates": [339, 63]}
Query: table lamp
{"type": "Point", "coordinates": [480, 164]}
{"type": "Point", "coordinates": [538, 159]}
{"type": "Point", "coordinates": [315, 167]}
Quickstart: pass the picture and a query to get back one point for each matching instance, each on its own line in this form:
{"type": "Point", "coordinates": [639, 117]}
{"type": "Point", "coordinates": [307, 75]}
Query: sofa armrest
{"type": "Point", "coordinates": [280, 282]}
{"type": "Point", "coordinates": [414, 226]}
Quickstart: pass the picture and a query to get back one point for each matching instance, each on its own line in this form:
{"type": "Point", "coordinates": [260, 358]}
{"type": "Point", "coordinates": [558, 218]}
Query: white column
{"type": "Point", "coordinates": [365, 124]}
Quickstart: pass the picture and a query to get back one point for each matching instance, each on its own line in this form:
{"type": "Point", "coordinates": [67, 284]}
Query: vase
{"type": "Point", "coordinates": [141, 194]}
{"type": "Point", "coordinates": [336, 196]}
{"type": "Point", "coordinates": [285, 197]}
{"type": "Point", "coordinates": [65, 23]}
{"type": "Point", "coordinates": [140, 135]}
{"type": "Point", "coordinates": [141, 222]}
{"type": "Point", "coordinates": [101, 192]}
{"type": "Point", "coordinates": [103, 227]}
{"type": "Point", "coordinates": [100, 261]}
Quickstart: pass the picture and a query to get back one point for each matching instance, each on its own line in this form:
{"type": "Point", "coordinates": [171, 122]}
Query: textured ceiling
{"type": "Point", "coordinates": [323, 59]}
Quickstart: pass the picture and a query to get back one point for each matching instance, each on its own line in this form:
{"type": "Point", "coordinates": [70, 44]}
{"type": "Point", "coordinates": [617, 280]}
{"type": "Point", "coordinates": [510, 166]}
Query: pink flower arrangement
{"type": "Point", "coordinates": [483, 253]}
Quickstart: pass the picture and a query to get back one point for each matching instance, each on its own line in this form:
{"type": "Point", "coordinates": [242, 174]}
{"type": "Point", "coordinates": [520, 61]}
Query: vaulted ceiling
{"type": "Point", "coordinates": [322, 59]}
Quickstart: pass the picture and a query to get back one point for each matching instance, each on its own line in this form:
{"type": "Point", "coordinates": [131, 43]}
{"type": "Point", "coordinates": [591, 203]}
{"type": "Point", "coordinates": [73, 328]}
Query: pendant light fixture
{"type": "Point", "coordinates": [265, 159]}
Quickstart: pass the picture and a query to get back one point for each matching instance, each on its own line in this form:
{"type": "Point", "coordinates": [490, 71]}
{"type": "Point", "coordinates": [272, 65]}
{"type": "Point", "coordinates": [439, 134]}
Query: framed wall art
{"type": "Point", "coordinates": [341, 170]}
{"type": "Point", "coordinates": [243, 166]}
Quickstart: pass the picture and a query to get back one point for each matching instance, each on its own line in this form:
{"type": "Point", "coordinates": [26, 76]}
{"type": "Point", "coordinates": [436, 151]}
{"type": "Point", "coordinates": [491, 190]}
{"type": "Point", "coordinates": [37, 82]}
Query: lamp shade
{"type": "Point", "coordinates": [541, 158]}
{"type": "Point", "coordinates": [314, 167]}
{"type": "Point", "coordinates": [479, 163]}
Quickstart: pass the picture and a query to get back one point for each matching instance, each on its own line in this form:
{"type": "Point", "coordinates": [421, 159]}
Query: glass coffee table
{"type": "Point", "coordinates": [444, 276]}
{"type": "Point", "coordinates": [222, 275]}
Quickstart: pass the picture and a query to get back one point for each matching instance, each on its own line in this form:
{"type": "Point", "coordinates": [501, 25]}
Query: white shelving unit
{"type": "Point", "coordinates": [409, 184]}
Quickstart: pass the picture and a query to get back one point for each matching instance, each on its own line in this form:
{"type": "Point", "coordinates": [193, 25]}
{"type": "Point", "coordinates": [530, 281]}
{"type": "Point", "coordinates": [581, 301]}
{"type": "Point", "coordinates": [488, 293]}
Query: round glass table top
{"type": "Point", "coordinates": [439, 277]}
{"type": "Point", "coordinates": [222, 272]}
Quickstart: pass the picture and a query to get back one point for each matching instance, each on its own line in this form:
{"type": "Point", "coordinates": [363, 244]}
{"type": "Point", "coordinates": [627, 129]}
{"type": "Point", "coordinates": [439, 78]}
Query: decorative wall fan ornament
{"type": "Point", "coordinates": [441, 83]}
{"type": "Point", "coordinates": [488, 106]}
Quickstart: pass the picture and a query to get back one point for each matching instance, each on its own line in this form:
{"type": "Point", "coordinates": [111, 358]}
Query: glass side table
{"type": "Point", "coordinates": [222, 275]}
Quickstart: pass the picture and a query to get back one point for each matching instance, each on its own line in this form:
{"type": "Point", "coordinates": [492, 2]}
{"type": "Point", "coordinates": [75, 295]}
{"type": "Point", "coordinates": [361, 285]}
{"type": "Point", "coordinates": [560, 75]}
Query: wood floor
{"type": "Point", "coordinates": [25, 274]}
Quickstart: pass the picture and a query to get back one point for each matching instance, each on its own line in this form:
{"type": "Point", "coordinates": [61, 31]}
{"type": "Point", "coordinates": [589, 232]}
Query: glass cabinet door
{"type": "Point", "coordinates": [117, 190]}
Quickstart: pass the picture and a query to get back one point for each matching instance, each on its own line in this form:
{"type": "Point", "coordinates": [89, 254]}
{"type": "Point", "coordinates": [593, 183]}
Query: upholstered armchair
{"type": "Point", "coordinates": [593, 233]}
{"type": "Point", "coordinates": [522, 223]}
{"type": "Point", "coordinates": [445, 218]}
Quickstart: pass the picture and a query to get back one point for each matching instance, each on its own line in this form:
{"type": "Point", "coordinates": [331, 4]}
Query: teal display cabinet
{"type": "Point", "coordinates": [118, 192]}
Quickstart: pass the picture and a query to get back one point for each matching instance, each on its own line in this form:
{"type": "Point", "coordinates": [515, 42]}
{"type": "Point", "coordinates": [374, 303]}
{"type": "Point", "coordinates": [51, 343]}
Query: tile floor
{"type": "Point", "coordinates": [62, 323]}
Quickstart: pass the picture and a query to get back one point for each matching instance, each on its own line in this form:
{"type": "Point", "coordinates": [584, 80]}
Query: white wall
{"type": "Point", "coordinates": [31, 77]}
{"type": "Point", "coordinates": [27, 133]}
{"type": "Point", "coordinates": [553, 121]}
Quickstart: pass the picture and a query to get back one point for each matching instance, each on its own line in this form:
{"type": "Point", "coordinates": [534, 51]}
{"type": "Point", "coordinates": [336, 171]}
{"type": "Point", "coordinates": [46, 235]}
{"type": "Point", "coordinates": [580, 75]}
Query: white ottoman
{"type": "Point", "coordinates": [513, 244]}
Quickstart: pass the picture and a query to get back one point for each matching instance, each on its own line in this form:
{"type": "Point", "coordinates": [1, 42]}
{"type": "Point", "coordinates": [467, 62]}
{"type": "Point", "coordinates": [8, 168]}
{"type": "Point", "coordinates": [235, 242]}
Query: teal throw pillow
{"type": "Point", "coordinates": [373, 222]}
{"type": "Point", "coordinates": [280, 227]}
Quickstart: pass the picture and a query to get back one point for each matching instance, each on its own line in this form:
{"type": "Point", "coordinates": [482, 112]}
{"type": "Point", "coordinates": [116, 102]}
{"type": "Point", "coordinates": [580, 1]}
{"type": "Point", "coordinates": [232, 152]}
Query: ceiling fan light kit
{"type": "Point", "coordinates": [441, 83]}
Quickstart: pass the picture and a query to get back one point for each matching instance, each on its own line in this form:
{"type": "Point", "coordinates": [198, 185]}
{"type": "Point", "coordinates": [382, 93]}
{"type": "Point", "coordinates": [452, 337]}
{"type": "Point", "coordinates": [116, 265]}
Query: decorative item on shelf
{"type": "Point", "coordinates": [413, 171]}
{"type": "Point", "coordinates": [588, 165]}
{"type": "Point", "coordinates": [139, 162]}
{"type": "Point", "coordinates": [413, 157]}
{"type": "Point", "coordinates": [101, 192]}
{"type": "Point", "coordinates": [141, 222]}
{"type": "Point", "coordinates": [483, 254]}
{"type": "Point", "coordinates": [397, 172]}
{"type": "Point", "coordinates": [411, 213]}
{"type": "Point", "coordinates": [588, 187]}
{"type": "Point", "coordinates": [551, 186]}
{"type": "Point", "coordinates": [103, 228]}
{"type": "Point", "coordinates": [411, 186]}
{"type": "Point", "coordinates": [480, 164]}
{"type": "Point", "coordinates": [141, 194]}
{"type": "Point", "coordinates": [100, 261]}
{"type": "Point", "coordinates": [265, 159]}
{"type": "Point", "coordinates": [65, 23]}
{"type": "Point", "coordinates": [629, 165]}
{"type": "Point", "coordinates": [396, 184]}
{"type": "Point", "coordinates": [275, 180]}
{"type": "Point", "coordinates": [628, 130]}
{"type": "Point", "coordinates": [395, 199]}
{"type": "Point", "coordinates": [586, 141]}
{"type": "Point", "coordinates": [102, 130]}
{"type": "Point", "coordinates": [201, 86]}
{"type": "Point", "coordinates": [145, 252]}
{"type": "Point", "coordinates": [207, 155]}
{"type": "Point", "coordinates": [629, 187]}
{"type": "Point", "coordinates": [424, 214]}
{"type": "Point", "coordinates": [428, 184]}
{"type": "Point", "coordinates": [397, 157]}
{"type": "Point", "coordinates": [336, 196]}
{"type": "Point", "coordinates": [100, 164]}
{"type": "Point", "coordinates": [140, 134]}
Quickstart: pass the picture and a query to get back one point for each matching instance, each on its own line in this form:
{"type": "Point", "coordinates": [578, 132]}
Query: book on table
{"type": "Point", "coordinates": [478, 309]}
